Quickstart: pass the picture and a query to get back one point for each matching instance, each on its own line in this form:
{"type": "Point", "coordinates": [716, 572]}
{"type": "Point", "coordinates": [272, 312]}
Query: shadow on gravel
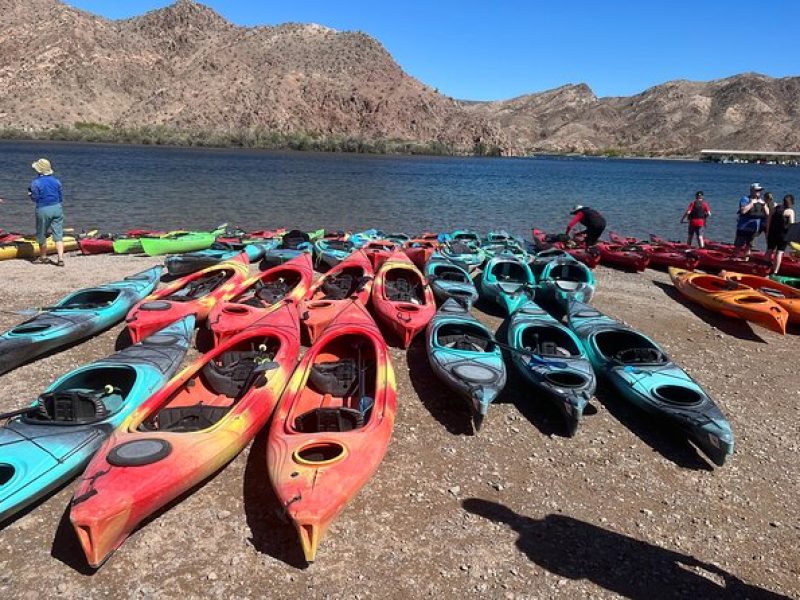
{"type": "Point", "coordinates": [738, 328]}
{"type": "Point", "coordinates": [577, 550]}
{"type": "Point", "coordinates": [663, 437]}
{"type": "Point", "coordinates": [123, 340]}
{"type": "Point", "coordinates": [445, 405]}
{"type": "Point", "coordinates": [271, 532]}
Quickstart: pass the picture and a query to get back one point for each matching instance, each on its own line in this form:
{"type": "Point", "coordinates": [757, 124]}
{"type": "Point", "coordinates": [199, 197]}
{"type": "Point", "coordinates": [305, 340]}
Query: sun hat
{"type": "Point", "coordinates": [576, 208]}
{"type": "Point", "coordinates": [756, 186]}
{"type": "Point", "coordinates": [42, 167]}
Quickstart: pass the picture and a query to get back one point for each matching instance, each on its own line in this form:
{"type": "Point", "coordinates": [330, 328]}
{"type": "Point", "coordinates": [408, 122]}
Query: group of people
{"type": "Point", "coordinates": [756, 215]}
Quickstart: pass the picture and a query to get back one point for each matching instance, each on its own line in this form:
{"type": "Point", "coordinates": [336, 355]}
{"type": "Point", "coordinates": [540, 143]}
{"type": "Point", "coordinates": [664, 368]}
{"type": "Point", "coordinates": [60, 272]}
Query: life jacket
{"type": "Point", "coordinates": [591, 219]}
{"type": "Point", "coordinates": [758, 210]}
{"type": "Point", "coordinates": [698, 210]}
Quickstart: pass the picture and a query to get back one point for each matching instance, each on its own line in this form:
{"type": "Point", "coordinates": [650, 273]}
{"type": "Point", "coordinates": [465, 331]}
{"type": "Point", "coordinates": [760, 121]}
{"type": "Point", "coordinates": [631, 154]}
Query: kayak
{"type": "Point", "coordinates": [398, 238]}
{"type": "Point", "coordinates": [466, 236]}
{"type": "Point", "coordinates": [588, 256]}
{"type": "Point", "coordinates": [50, 442]}
{"type": "Point", "coordinates": [621, 240]}
{"type": "Point", "coordinates": [183, 264]}
{"type": "Point", "coordinates": [501, 237]}
{"type": "Point", "coordinates": [553, 361]}
{"type": "Point", "coordinates": [505, 249]}
{"type": "Point", "coordinates": [378, 251]}
{"type": "Point", "coordinates": [362, 237]}
{"type": "Point", "coordinates": [790, 281]}
{"type": "Point", "coordinates": [715, 261]}
{"type": "Point", "coordinates": [419, 251]}
{"type": "Point", "coordinates": [449, 280]}
{"type": "Point", "coordinates": [102, 244]}
{"type": "Point", "coordinates": [729, 298]}
{"type": "Point", "coordinates": [259, 295]}
{"type": "Point", "coordinates": [177, 243]}
{"type": "Point", "coordinates": [562, 279]}
{"type": "Point", "coordinates": [330, 252]}
{"type": "Point", "coordinates": [783, 295]}
{"type": "Point", "coordinates": [184, 433]}
{"type": "Point", "coordinates": [465, 356]}
{"type": "Point", "coordinates": [628, 258]}
{"type": "Point", "coordinates": [132, 242]}
{"type": "Point", "coordinates": [507, 283]}
{"type": "Point", "coordinates": [463, 253]}
{"type": "Point", "coordinates": [332, 427]}
{"type": "Point", "coordinates": [401, 298]}
{"type": "Point", "coordinates": [641, 373]}
{"type": "Point", "coordinates": [349, 281]}
{"type": "Point", "coordinates": [28, 247]}
{"type": "Point", "coordinates": [790, 265]}
{"type": "Point", "coordinates": [75, 317]}
{"type": "Point", "coordinates": [195, 294]}
{"type": "Point", "coordinates": [661, 257]}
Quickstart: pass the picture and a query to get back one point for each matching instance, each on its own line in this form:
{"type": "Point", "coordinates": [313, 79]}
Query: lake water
{"type": "Point", "coordinates": [120, 187]}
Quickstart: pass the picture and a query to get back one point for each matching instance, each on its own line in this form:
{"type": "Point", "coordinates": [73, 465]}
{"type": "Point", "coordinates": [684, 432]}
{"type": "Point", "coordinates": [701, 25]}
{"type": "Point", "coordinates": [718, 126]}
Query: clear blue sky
{"type": "Point", "coordinates": [485, 50]}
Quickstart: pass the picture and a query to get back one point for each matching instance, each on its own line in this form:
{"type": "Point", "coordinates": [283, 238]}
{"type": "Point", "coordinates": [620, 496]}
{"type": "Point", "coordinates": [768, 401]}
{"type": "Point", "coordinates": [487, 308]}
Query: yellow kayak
{"type": "Point", "coordinates": [29, 247]}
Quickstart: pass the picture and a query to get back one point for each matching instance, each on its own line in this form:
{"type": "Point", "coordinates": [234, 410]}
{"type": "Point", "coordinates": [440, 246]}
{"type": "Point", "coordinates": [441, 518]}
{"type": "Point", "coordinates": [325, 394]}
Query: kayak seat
{"type": "Point", "coordinates": [337, 378]}
{"type": "Point", "coordinates": [185, 418]}
{"type": "Point", "coordinates": [70, 406]}
{"type": "Point", "coordinates": [461, 337]}
{"type": "Point", "coordinates": [270, 292]}
{"type": "Point", "coordinates": [230, 373]}
{"type": "Point", "coordinates": [200, 287]}
{"type": "Point", "coordinates": [338, 245]}
{"type": "Point", "coordinates": [639, 356]}
{"type": "Point", "coordinates": [329, 419]}
{"type": "Point", "coordinates": [401, 289]}
{"type": "Point", "coordinates": [338, 286]}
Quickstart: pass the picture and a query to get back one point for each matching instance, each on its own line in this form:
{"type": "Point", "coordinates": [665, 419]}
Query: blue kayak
{"type": "Point", "coordinates": [562, 279]}
{"type": "Point", "coordinates": [450, 280]}
{"type": "Point", "coordinates": [329, 253]}
{"type": "Point", "coordinates": [507, 282]}
{"type": "Point", "coordinates": [464, 355]}
{"type": "Point", "coordinates": [553, 361]}
{"type": "Point", "coordinates": [74, 318]}
{"type": "Point", "coordinates": [183, 264]}
{"type": "Point", "coordinates": [51, 441]}
{"type": "Point", "coordinates": [642, 374]}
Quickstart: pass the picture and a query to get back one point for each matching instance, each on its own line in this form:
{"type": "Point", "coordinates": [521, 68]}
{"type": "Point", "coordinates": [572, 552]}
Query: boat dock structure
{"type": "Point", "coordinates": [752, 156]}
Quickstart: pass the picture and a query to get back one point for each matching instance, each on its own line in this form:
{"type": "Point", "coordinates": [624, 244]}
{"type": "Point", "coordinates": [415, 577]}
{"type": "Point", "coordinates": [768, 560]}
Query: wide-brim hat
{"type": "Point", "coordinates": [576, 208]}
{"type": "Point", "coordinates": [42, 167]}
{"type": "Point", "coordinates": [756, 186]}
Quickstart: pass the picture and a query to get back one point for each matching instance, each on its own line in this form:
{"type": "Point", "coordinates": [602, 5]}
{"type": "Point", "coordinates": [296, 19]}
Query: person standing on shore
{"type": "Point", "coordinates": [779, 222]}
{"type": "Point", "coordinates": [46, 192]}
{"type": "Point", "coordinates": [753, 212]}
{"type": "Point", "coordinates": [697, 213]}
{"type": "Point", "coordinates": [594, 222]}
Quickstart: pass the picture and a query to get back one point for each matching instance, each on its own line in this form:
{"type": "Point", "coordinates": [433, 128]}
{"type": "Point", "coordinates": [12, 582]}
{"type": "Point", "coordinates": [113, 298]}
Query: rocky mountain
{"type": "Point", "coordinates": [186, 68]}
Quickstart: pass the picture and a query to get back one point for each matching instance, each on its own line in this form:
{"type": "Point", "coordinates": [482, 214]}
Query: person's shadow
{"type": "Point", "coordinates": [632, 568]}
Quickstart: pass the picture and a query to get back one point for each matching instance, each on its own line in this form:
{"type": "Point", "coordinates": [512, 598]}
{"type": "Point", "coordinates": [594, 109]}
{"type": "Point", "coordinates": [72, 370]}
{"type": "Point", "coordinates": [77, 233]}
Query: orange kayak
{"type": "Point", "coordinates": [184, 433]}
{"type": "Point", "coordinates": [730, 298]}
{"type": "Point", "coordinates": [782, 294]}
{"type": "Point", "coordinates": [402, 298]}
{"type": "Point", "coordinates": [378, 251]}
{"type": "Point", "coordinates": [260, 294]}
{"type": "Point", "coordinates": [420, 251]}
{"type": "Point", "coordinates": [351, 278]}
{"type": "Point", "coordinates": [333, 424]}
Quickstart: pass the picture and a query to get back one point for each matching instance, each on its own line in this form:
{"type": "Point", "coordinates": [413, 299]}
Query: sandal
{"type": "Point", "coordinates": [40, 261]}
{"type": "Point", "coordinates": [60, 263]}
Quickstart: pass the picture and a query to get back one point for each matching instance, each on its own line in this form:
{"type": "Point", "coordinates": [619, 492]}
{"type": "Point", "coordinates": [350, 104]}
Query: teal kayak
{"type": "Point", "coordinates": [330, 252]}
{"type": "Point", "coordinates": [450, 280]}
{"type": "Point", "coordinates": [464, 355]}
{"type": "Point", "coordinates": [507, 282]}
{"type": "Point", "coordinates": [553, 361]}
{"type": "Point", "coordinates": [469, 255]}
{"type": "Point", "coordinates": [562, 279]}
{"type": "Point", "coordinates": [48, 443]}
{"type": "Point", "coordinates": [642, 374]}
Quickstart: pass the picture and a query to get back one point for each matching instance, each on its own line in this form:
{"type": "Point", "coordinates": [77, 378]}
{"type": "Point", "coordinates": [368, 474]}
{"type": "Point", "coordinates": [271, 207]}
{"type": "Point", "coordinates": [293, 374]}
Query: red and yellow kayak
{"type": "Point", "coordinates": [260, 294]}
{"type": "Point", "coordinates": [402, 298]}
{"type": "Point", "coordinates": [333, 425]}
{"type": "Point", "coordinates": [730, 298]}
{"type": "Point", "coordinates": [782, 294]}
{"type": "Point", "coordinates": [195, 294]}
{"type": "Point", "coordinates": [184, 433]}
{"type": "Point", "coordinates": [351, 278]}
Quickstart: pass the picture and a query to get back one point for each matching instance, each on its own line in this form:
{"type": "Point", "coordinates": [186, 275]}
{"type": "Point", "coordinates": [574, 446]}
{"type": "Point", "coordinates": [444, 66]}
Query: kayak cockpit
{"type": "Point", "coordinates": [404, 285]}
{"type": "Point", "coordinates": [629, 348]}
{"type": "Point", "coordinates": [510, 271]}
{"type": "Point", "coordinates": [464, 337]}
{"type": "Point", "coordinates": [268, 291]}
{"type": "Point", "coordinates": [549, 341]}
{"type": "Point", "coordinates": [450, 273]}
{"type": "Point", "coordinates": [342, 284]}
{"type": "Point", "coordinates": [201, 286]}
{"type": "Point", "coordinates": [89, 299]}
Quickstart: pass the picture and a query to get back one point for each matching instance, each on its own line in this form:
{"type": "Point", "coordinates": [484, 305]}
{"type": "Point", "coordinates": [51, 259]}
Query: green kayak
{"type": "Point", "coordinates": [313, 236]}
{"type": "Point", "coordinates": [178, 243]}
{"type": "Point", "coordinates": [786, 280]}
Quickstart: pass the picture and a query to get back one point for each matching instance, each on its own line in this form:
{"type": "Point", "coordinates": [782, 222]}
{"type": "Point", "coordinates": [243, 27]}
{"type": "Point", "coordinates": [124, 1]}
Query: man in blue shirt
{"type": "Point", "coordinates": [753, 213]}
{"type": "Point", "coordinates": [46, 192]}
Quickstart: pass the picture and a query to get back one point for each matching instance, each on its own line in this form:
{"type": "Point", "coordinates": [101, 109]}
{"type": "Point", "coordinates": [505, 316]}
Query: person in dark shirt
{"type": "Point", "coordinates": [780, 220]}
{"type": "Point", "coordinates": [697, 213]}
{"type": "Point", "coordinates": [592, 220]}
{"type": "Point", "coordinates": [753, 212]}
{"type": "Point", "coordinates": [47, 193]}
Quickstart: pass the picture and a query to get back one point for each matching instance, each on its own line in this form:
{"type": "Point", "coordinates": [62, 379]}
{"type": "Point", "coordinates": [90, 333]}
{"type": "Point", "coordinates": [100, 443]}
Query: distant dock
{"type": "Point", "coordinates": [761, 157]}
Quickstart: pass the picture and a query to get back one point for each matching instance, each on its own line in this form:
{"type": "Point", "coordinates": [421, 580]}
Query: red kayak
{"type": "Point", "coordinates": [8, 237]}
{"type": "Point", "coordinates": [714, 261]}
{"type": "Point", "coordinates": [661, 257]}
{"type": "Point", "coordinates": [258, 296]}
{"type": "Point", "coordinates": [622, 241]}
{"type": "Point", "coordinates": [350, 280]}
{"type": "Point", "coordinates": [628, 258]}
{"type": "Point", "coordinates": [401, 298]}
{"type": "Point", "coordinates": [419, 251]}
{"type": "Point", "coordinates": [378, 251]}
{"type": "Point", "coordinates": [96, 245]}
{"type": "Point", "coordinates": [195, 294]}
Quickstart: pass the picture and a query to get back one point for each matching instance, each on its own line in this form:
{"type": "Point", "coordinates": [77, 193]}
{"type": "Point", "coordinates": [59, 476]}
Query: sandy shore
{"type": "Point", "coordinates": [518, 511]}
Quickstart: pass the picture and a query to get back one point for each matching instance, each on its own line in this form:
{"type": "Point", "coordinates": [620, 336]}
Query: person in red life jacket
{"type": "Point", "coordinates": [697, 213]}
{"type": "Point", "coordinates": [592, 220]}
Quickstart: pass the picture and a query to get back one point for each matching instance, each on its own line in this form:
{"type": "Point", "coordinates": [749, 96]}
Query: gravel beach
{"type": "Point", "coordinates": [626, 508]}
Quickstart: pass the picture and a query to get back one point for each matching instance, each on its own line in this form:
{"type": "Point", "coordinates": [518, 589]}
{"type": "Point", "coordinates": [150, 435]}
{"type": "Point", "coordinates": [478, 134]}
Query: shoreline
{"type": "Point", "coordinates": [517, 511]}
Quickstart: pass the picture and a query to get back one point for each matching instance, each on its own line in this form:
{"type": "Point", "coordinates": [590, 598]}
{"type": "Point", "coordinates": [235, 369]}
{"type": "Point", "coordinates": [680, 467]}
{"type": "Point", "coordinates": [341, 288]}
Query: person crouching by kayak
{"type": "Point", "coordinates": [779, 222]}
{"type": "Point", "coordinates": [697, 213]}
{"type": "Point", "coordinates": [753, 212]}
{"type": "Point", "coordinates": [592, 220]}
{"type": "Point", "coordinates": [46, 192]}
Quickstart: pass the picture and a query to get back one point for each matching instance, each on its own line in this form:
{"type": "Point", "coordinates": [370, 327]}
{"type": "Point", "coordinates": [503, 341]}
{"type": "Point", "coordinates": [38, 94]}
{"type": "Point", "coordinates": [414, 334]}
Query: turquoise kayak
{"type": "Point", "coordinates": [462, 253]}
{"type": "Point", "coordinates": [553, 361]}
{"type": "Point", "coordinates": [73, 318]}
{"type": "Point", "coordinates": [330, 252]}
{"type": "Point", "coordinates": [450, 280]}
{"type": "Point", "coordinates": [464, 355]}
{"type": "Point", "coordinates": [507, 283]}
{"type": "Point", "coordinates": [48, 443]}
{"type": "Point", "coordinates": [562, 279]}
{"type": "Point", "coordinates": [642, 374]}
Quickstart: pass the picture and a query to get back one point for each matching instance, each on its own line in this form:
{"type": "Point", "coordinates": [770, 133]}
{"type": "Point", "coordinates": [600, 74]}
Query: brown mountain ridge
{"type": "Point", "coordinates": [185, 68]}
